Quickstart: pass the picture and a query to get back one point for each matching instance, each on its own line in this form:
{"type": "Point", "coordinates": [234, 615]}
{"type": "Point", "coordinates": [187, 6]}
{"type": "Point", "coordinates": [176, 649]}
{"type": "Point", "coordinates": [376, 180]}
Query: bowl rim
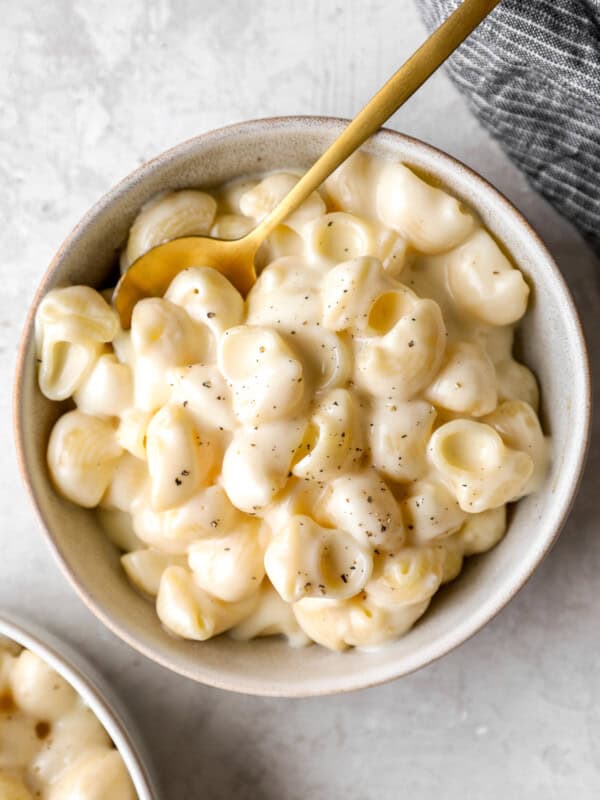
{"type": "Point", "coordinates": [451, 641]}
{"type": "Point", "coordinates": [89, 686]}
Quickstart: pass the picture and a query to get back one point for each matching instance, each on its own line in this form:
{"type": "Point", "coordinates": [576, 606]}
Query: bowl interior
{"type": "Point", "coordinates": [550, 343]}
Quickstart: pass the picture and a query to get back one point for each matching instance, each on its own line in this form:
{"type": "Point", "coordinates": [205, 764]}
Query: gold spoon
{"type": "Point", "coordinates": [151, 274]}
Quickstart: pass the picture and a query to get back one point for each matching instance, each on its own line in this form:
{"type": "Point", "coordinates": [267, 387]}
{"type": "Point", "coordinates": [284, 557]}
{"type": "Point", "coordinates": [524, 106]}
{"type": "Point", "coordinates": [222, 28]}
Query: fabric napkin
{"type": "Point", "coordinates": [531, 74]}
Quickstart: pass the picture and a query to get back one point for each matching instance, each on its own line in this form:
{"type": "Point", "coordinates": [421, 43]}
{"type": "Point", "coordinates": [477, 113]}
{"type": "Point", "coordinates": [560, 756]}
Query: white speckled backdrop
{"type": "Point", "coordinates": [89, 89]}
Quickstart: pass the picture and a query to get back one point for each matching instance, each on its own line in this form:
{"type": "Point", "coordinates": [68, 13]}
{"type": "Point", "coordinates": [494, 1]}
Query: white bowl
{"type": "Point", "coordinates": [550, 342]}
{"type": "Point", "coordinates": [95, 693]}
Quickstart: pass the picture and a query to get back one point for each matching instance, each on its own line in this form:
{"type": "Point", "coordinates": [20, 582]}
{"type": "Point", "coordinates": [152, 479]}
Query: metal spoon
{"type": "Point", "coordinates": [151, 274]}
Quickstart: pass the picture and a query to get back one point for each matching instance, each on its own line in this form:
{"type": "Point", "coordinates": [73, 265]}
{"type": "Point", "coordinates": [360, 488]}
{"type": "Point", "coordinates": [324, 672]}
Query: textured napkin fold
{"type": "Point", "coordinates": [531, 74]}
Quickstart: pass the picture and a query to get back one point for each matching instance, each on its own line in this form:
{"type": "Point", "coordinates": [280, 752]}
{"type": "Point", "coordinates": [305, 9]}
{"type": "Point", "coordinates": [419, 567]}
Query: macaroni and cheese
{"type": "Point", "coordinates": [317, 459]}
{"type": "Point", "coordinates": [51, 744]}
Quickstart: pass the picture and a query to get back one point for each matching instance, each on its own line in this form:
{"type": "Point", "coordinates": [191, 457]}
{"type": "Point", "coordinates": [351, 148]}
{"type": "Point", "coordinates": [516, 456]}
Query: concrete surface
{"type": "Point", "coordinates": [89, 89]}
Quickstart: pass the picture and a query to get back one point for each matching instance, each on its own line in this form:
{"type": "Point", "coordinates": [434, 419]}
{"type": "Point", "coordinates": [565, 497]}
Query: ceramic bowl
{"type": "Point", "coordinates": [550, 342]}
{"type": "Point", "coordinates": [95, 694]}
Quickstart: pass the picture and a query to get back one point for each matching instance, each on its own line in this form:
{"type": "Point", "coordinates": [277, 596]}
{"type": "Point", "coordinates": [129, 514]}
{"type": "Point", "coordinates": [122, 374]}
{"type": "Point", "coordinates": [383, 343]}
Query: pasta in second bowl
{"type": "Point", "coordinates": [373, 355]}
{"type": "Point", "coordinates": [59, 737]}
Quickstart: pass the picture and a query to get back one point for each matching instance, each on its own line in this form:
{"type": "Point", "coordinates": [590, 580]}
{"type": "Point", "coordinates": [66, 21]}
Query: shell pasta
{"type": "Point", "coordinates": [51, 744]}
{"type": "Point", "coordinates": [317, 459]}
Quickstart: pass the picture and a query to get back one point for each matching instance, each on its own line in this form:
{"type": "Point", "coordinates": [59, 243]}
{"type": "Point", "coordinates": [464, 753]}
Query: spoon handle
{"type": "Point", "coordinates": [402, 85]}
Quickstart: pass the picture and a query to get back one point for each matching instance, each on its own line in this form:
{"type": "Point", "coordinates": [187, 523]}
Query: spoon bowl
{"type": "Point", "coordinates": [151, 274]}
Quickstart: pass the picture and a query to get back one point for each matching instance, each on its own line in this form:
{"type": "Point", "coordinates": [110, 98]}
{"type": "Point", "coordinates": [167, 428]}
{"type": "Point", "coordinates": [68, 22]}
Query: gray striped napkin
{"type": "Point", "coordinates": [531, 74]}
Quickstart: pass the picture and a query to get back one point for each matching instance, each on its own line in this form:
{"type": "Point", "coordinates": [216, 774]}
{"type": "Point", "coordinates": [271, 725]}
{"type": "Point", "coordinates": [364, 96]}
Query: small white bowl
{"type": "Point", "coordinates": [95, 693]}
{"type": "Point", "coordinates": [550, 342]}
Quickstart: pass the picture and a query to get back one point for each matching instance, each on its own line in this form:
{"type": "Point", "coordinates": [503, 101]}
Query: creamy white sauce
{"type": "Point", "coordinates": [315, 460]}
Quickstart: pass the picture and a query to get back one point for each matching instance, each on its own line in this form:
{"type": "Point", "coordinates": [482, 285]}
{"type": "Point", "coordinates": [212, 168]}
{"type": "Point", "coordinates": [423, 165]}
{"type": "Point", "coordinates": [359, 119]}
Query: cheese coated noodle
{"type": "Point", "coordinates": [306, 560]}
{"type": "Point", "coordinates": [168, 216]}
